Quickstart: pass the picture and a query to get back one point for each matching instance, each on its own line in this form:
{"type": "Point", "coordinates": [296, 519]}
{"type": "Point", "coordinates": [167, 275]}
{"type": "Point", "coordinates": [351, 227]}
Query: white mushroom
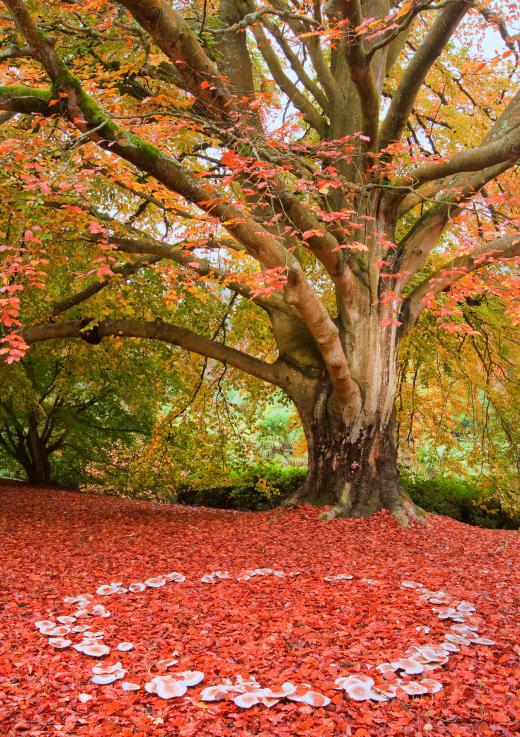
{"type": "Point", "coordinates": [59, 642]}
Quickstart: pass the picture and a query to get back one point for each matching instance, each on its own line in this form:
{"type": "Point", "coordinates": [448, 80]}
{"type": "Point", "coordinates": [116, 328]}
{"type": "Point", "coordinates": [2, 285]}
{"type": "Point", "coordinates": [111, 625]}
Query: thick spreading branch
{"type": "Point", "coordinates": [288, 87]}
{"type": "Point", "coordinates": [180, 44]}
{"type": "Point", "coordinates": [505, 129]}
{"type": "Point", "coordinates": [298, 68]}
{"type": "Point", "coordinates": [453, 192]}
{"type": "Point", "coordinates": [506, 149]}
{"type": "Point", "coordinates": [201, 266]}
{"type": "Point", "coordinates": [158, 330]}
{"type": "Point", "coordinates": [361, 71]}
{"type": "Point", "coordinates": [404, 97]}
{"type": "Point", "coordinates": [83, 112]}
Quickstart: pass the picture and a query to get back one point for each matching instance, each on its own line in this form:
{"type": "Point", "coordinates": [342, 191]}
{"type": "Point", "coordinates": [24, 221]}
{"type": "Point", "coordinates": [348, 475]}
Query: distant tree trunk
{"type": "Point", "coordinates": [38, 468]}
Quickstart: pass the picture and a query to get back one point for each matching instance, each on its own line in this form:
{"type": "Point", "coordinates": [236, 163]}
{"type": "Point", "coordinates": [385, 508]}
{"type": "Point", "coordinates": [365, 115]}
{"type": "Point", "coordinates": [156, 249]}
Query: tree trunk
{"type": "Point", "coordinates": [352, 462]}
{"type": "Point", "coordinates": [39, 469]}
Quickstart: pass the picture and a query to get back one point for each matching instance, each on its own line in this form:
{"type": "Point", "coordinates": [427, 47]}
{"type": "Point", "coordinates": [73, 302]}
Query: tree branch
{"type": "Point", "coordinates": [180, 44]}
{"type": "Point", "coordinates": [25, 100]}
{"type": "Point", "coordinates": [361, 71]}
{"type": "Point", "coordinates": [165, 332]}
{"type": "Point", "coordinates": [456, 269]}
{"type": "Point", "coordinates": [148, 245]}
{"type": "Point", "coordinates": [414, 248]}
{"type": "Point", "coordinates": [297, 66]}
{"type": "Point", "coordinates": [286, 85]}
{"type": "Point", "coordinates": [313, 47]}
{"type": "Point", "coordinates": [496, 152]}
{"type": "Point", "coordinates": [93, 289]}
{"type": "Point", "coordinates": [416, 71]}
{"type": "Point", "coordinates": [507, 127]}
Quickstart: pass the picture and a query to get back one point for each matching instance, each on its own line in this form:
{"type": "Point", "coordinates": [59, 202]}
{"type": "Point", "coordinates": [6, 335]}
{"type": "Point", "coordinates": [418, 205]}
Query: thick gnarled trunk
{"type": "Point", "coordinates": [352, 465]}
{"type": "Point", "coordinates": [352, 454]}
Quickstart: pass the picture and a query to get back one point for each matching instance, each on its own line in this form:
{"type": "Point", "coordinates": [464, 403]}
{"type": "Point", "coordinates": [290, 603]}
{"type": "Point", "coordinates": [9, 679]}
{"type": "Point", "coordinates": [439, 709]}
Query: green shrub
{"type": "Point", "coordinates": [256, 487]}
{"type": "Point", "coordinates": [460, 499]}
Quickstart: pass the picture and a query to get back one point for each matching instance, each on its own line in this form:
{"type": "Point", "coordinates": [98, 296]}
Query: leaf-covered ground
{"type": "Point", "coordinates": [299, 628]}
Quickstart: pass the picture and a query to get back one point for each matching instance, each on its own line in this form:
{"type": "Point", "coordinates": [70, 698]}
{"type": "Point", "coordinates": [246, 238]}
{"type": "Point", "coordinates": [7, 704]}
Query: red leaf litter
{"type": "Point", "coordinates": [331, 606]}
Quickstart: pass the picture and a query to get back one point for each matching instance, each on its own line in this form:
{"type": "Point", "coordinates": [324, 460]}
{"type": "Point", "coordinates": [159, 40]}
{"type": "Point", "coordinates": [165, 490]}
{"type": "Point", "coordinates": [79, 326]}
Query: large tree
{"type": "Point", "coordinates": [306, 156]}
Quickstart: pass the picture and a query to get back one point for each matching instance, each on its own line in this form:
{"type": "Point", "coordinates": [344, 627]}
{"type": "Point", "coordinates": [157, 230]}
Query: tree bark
{"type": "Point", "coordinates": [352, 461]}
{"type": "Point", "coordinates": [39, 469]}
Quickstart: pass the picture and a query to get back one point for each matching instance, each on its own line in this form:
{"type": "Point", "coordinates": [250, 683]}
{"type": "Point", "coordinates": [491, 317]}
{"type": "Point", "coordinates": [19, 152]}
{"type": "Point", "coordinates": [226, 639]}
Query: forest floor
{"type": "Point", "coordinates": [297, 628]}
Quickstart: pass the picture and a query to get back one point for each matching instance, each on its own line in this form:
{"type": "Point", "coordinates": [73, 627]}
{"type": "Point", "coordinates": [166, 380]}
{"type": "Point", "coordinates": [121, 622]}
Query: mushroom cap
{"type": "Point", "coordinates": [378, 694]}
{"type": "Point", "coordinates": [461, 629]}
{"type": "Point", "coordinates": [450, 647]}
{"type": "Point", "coordinates": [80, 599]}
{"type": "Point", "coordinates": [208, 578]}
{"type": "Point", "coordinates": [465, 606]}
{"type": "Point", "coordinates": [344, 681]}
{"type": "Point", "coordinates": [60, 631]}
{"type": "Point", "coordinates": [189, 677]}
{"type": "Point", "coordinates": [94, 649]}
{"type": "Point", "coordinates": [66, 619]}
{"type": "Point", "coordinates": [124, 647]}
{"type": "Point", "coordinates": [136, 586]}
{"type": "Point", "coordinates": [104, 679]}
{"type": "Point", "coordinates": [167, 687]}
{"type": "Point", "coordinates": [412, 688]}
{"type": "Point", "coordinates": [431, 654]}
{"type": "Point", "coordinates": [247, 700]}
{"type": "Point", "coordinates": [156, 582]}
{"type": "Point", "coordinates": [312, 698]}
{"type": "Point", "coordinates": [107, 589]}
{"type": "Point", "coordinates": [214, 693]}
{"type": "Point", "coordinates": [59, 642]}
{"type": "Point", "coordinates": [103, 669]}
{"type": "Point", "coordinates": [423, 629]}
{"type": "Point", "coordinates": [279, 691]}
{"type": "Point", "coordinates": [432, 685]}
{"type": "Point", "coordinates": [129, 686]}
{"type": "Point", "coordinates": [457, 639]}
{"type": "Point", "coordinates": [174, 576]}
{"type": "Point", "coordinates": [385, 668]}
{"type": "Point", "coordinates": [358, 691]}
{"type": "Point", "coordinates": [483, 641]}
{"type": "Point", "coordinates": [339, 577]}
{"type": "Point", "coordinates": [390, 691]}
{"type": "Point", "coordinates": [100, 610]}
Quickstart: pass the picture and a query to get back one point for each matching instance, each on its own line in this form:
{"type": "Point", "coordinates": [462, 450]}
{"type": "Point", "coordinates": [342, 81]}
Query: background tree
{"type": "Point", "coordinates": [62, 407]}
{"type": "Point", "coordinates": [307, 158]}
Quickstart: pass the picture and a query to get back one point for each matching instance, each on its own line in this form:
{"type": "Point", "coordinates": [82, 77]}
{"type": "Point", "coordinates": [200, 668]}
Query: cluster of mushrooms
{"type": "Point", "coordinates": [418, 660]}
